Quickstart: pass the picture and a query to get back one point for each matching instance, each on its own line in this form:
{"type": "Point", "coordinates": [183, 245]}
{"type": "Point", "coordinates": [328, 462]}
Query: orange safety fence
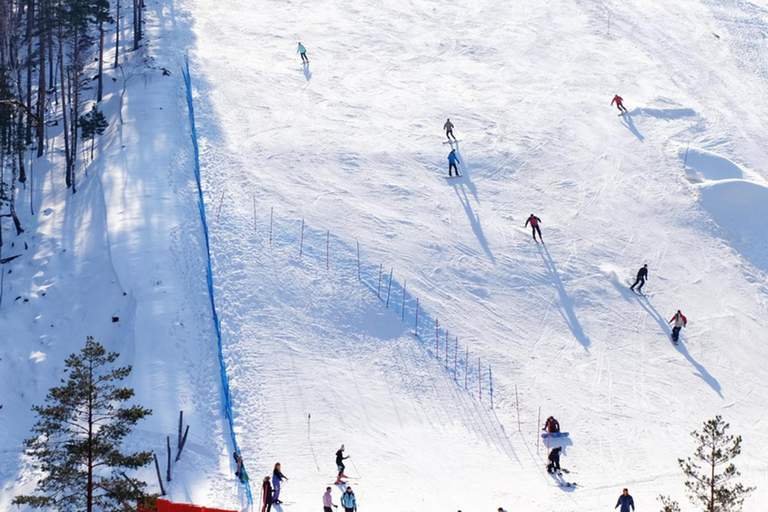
{"type": "Point", "coordinates": [167, 506]}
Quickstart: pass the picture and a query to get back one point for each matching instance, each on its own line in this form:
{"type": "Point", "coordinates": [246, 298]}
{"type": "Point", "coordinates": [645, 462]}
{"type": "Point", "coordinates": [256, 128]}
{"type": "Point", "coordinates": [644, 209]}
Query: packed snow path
{"type": "Point", "coordinates": [353, 144]}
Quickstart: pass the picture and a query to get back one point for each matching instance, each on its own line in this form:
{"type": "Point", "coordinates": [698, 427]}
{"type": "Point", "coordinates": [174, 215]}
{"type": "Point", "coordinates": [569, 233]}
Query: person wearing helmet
{"type": "Point", "coordinates": [678, 322]}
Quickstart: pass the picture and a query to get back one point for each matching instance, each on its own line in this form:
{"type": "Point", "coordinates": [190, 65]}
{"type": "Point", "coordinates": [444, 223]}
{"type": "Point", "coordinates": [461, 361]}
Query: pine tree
{"type": "Point", "coordinates": [668, 505]}
{"type": "Point", "coordinates": [92, 124]}
{"type": "Point", "coordinates": [714, 490]}
{"type": "Point", "coordinates": [78, 435]}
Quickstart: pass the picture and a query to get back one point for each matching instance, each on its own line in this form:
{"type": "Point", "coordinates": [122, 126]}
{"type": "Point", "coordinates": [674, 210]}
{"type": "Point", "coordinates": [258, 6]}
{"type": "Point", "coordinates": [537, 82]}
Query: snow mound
{"type": "Point", "coordinates": [705, 165]}
{"type": "Point", "coordinates": [741, 208]}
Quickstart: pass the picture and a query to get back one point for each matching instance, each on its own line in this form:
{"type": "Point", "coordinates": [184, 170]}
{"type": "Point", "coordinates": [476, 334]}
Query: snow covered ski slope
{"type": "Point", "coordinates": [352, 143]}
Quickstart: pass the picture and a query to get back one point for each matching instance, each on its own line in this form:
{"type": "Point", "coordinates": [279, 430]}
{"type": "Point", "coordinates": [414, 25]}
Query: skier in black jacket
{"type": "Point", "coordinates": [642, 275]}
{"type": "Point", "coordinates": [554, 460]}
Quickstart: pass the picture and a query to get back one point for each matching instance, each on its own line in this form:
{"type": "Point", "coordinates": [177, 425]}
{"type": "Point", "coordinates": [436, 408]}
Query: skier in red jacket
{"type": "Point", "coordinates": [534, 222]}
{"type": "Point", "coordinates": [679, 322]}
{"type": "Point", "coordinates": [619, 103]}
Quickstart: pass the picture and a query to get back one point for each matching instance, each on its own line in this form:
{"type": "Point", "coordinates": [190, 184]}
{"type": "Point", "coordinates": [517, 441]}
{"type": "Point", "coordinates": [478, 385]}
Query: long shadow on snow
{"type": "Point", "coordinates": [680, 347]}
{"type": "Point", "coordinates": [566, 311]}
{"type": "Point", "coordinates": [307, 72]}
{"type": "Point", "coordinates": [460, 186]}
{"type": "Point", "coordinates": [627, 121]}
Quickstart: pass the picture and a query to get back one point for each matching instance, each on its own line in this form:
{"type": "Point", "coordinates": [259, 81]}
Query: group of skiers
{"type": "Point", "coordinates": [270, 489]}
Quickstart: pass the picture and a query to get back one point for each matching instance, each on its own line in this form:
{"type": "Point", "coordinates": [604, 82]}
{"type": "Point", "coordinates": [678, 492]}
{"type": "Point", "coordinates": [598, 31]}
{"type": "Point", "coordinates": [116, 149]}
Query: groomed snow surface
{"type": "Point", "coordinates": [351, 144]}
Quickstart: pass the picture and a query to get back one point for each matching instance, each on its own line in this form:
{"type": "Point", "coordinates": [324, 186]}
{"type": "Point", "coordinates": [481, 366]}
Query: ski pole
{"type": "Point", "coordinates": [355, 466]}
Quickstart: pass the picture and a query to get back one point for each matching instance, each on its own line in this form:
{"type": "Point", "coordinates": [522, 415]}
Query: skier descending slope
{"type": "Point", "coordinates": [534, 221]}
{"type": "Point", "coordinates": [452, 160]}
{"type": "Point", "coordinates": [448, 127]}
{"type": "Point", "coordinates": [642, 275]}
{"type": "Point", "coordinates": [340, 464]}
{"type": "Point", "coordinates": [619, 104]}
{"type": "Point", "coordinates": [678, 322]}
{"type": "Point", "coordinates": [303, 52]}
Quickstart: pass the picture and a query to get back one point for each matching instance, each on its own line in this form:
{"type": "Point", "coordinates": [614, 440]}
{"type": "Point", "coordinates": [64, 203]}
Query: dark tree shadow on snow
{"type": "Point", "coordinates": [626, 120]}
{"type": "Point", "coordinates": [701, 372]}
{"type": "Point", "coordinates": [307, 72]}
{"type": "Point", "coordinates": [566, 303]}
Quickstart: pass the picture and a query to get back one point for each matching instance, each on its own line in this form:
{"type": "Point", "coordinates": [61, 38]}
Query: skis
{"type": "Point", "coordinates": [560, 481]}
{"type": "Point", "coordinates": [451, 141]}
{"type": "Point", "coordinates": [451, 177]}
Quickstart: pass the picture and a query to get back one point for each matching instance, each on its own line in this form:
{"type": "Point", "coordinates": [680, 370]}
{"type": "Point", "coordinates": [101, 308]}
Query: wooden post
{"type": "Point", "coordinates": [437, 339]}
{"type": "Point", "coordinates": [517, 402]}
{"type": "Point", "coordinates": [446, 350]}
{"type": "Point", "coordinates": [402, 317]}
{"type": "Point", "coordinates": [456, 359]}
{"type": "Point", "coordinates": [378, 290]}
{"type": "Point", "coordinates": [389, 288]}
{"type": "Point", "coordinates": [358, 261]}
{"type": "Point", "coordinates": [479, 381]}
{"type": "Point", "coordinates": [466, 370]}
{"type": "Point", "coordinates": [183, 442]}
{"type": "Point", "coordinates": [168, 474]}
{"type": "Point", "coordinates": [159, 478]}
{"type": "Point", "coordinates": [328, 250]}
{"type": "Point", "coordinates": [181, 422]}
{"type": "Point", "coordinates": [416, 325]}
{"type": "Point", "coordinates": [271, 218]}
{"type": "Point", "coordinates": [490, 384]}
{"type": "Point", "coordinates": [301, 243]}
{"type": "Point", "coordinates": [538, 428]}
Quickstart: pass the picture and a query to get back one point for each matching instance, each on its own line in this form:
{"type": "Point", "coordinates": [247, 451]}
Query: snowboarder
{"type": "Point", "coordinates": [452, 160]}
{"type": "Point", "coordinates": [448, 127]}
{"type": "Point", "coordinates": [534, 221]}
{"type": "Point", "coordinates": [340, 464]}
{"type": "Point", "coordinates": [619, 103]}
{"type": "Point", "coordinates": [554, 460]}
{"type": "Point", "coordinates": [678, 322]}
{"type": "Point", "coordinates": [303, 52]}
{"type": "Point", "coordinates": [239, 461]}
{"type": "Point", "coordinates": [266, 492]}
{"type": "Point", "coordinates": [551, 425]}
{"type": "Point", "coordinates": [277, 478]}
{"type": "Point", "coordinates": [348, 501]}
{"type": "Point", "coordinates": [328, 501]}
{"type": "Point", "coordinates": [626, 501]}
{"type": "Point", "coordinates": [642, 275]}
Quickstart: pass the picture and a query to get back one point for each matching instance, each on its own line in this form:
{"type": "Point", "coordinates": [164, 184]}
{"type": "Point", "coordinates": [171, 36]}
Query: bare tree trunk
{"type": "Point", "coordinates": [64, 109]}
{"type": "Point", "coordinates": [117, 35]}
{"type": "Point", "coordinates": [30, 52]}
{"type": "Point", "coordinates": [41, 93]}
{"type": "Point", "coordinates": [100, 88]}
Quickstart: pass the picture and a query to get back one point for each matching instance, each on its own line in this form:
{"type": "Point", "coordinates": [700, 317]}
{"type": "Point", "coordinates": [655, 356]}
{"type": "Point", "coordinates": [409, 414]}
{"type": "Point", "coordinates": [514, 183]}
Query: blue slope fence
{"type": "Point", "coordinates": [209, 273]}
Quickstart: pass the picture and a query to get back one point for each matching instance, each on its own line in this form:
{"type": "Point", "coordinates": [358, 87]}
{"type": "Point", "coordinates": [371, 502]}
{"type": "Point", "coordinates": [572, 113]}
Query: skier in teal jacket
{"type": "Point", "coordinates": [348, 501]}
{"type": "Point", "coordinates": [303, 52]}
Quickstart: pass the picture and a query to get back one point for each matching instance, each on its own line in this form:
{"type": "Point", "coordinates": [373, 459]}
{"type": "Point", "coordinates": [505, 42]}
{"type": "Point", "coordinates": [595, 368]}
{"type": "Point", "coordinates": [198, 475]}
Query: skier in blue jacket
{"type": "Point", "coordinates": [277, 480]}
{"type": "Point", "coordinates": [452, 160]}
{"type": "Point", "coordinates": [626, 501]}
{"type": "Point", "coordinates": [303, 52]}
{"type": "Point", "coordinates": [348, 501]}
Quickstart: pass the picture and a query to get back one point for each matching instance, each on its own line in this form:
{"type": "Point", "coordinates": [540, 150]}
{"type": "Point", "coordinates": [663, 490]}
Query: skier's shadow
{"type": "Point", "coordinates": [680, 347]}
{"type": "Point", "coordinates": [307, 72]}
{"type": "Point", "coordinates": [460, 186]}
{"type": "Point", "coordinates": [627, 121]}
{"type": "Point", "coordinates": [566, 311]}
